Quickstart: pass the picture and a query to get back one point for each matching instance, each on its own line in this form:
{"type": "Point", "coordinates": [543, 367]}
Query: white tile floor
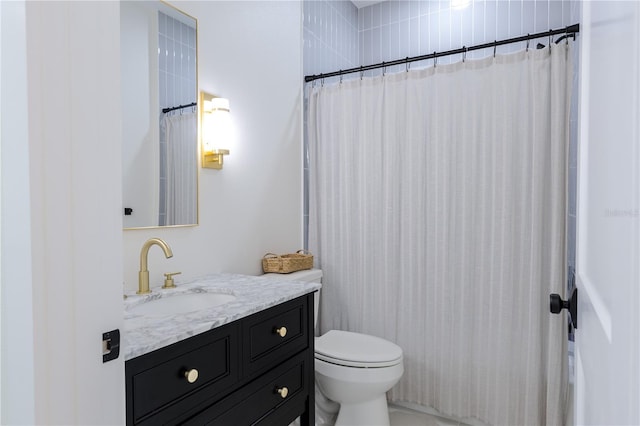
{"type": "Point", "coordinates": [400, 416]}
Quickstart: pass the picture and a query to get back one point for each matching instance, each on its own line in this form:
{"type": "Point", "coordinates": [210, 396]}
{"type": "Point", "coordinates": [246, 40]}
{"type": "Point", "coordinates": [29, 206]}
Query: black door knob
{"type": "Point", "coordinates": [556, 305]}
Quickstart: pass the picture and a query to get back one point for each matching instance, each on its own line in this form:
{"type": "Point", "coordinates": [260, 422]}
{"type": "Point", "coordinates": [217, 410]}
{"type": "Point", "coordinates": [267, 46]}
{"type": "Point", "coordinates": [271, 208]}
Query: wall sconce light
{"type": "Point", "coordinates": [214, 130]}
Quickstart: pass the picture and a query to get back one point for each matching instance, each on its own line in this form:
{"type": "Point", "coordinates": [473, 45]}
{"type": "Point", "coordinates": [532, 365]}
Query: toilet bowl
{"type": "Point", "coordinates": [354, 370]}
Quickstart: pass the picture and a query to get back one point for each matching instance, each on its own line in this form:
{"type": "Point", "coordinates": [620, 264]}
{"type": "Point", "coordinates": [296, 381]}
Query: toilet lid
{"type": "Point", "coordinates": [356, 349]}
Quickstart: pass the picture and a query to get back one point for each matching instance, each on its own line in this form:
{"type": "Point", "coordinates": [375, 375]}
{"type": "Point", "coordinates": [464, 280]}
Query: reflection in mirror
{"type": "Point", "coordinates": [159, 115]}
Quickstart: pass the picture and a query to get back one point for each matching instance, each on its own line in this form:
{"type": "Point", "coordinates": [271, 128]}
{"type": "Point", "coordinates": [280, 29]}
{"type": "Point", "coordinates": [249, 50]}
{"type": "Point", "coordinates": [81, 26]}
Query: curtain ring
{"type": "Point", "coordinates": [528, 40]}
{"type": "Point", "coordinates": [550, 41]}
{"type": "Point", "coordinates": [464, 54]}
{"type": "Point", "coordinates": [435, 60]}
{"type": "Point", "coordinates": [322, 82]}
{"type": "Point", "coordinates": [406, 64]}
{"type": "Point", "coordinates": [495, 46]}
{"type": "Point", "coordinates": [384, 69]}
{"type": "Point", "coordinates": [340, 76]}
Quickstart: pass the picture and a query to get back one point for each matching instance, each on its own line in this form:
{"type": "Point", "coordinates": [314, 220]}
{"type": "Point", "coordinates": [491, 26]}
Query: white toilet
{"type": "Point", "coordinates": [353, 369]}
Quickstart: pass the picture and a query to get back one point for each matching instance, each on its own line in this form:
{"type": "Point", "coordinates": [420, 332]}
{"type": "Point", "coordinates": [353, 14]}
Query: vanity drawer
{"type": "Point", "coordinates": [270, 335]}
{"type": "Point", "coordinates": [264, 399]}
{"type": "Point", "coordinates": [156, 386]}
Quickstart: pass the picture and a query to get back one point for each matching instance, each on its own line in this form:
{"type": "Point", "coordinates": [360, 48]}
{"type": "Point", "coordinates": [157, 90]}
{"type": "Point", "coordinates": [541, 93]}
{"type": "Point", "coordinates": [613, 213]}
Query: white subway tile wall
{"type": "Point", "coordinates": [330, 36]}
{"type": "Point", "coordinates": [176, 62]}
{"type": "Point", "coordinates": [337, 36]}
{"type": "Point", "coordinates": [396, 29]}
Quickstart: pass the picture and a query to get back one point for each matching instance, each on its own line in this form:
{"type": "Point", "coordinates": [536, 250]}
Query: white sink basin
{"type": "Point", "coordinates": [182, 303]}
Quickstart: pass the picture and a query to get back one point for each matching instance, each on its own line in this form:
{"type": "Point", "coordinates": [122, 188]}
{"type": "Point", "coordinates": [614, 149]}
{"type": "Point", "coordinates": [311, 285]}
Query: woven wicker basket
{"type": "Point", "coordinates": [287, 263]}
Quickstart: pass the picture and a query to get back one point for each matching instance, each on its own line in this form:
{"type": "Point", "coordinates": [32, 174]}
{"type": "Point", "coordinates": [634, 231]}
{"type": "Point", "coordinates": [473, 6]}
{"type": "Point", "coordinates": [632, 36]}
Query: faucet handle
{"type": "Point", "coordinates": [168, 281]}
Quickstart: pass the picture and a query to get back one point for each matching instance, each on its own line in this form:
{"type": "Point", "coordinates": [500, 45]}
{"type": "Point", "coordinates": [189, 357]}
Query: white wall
{"type": "Point", "coordinates": [73, 57]}
{"type": "Point", "coordinates": [251, 53]}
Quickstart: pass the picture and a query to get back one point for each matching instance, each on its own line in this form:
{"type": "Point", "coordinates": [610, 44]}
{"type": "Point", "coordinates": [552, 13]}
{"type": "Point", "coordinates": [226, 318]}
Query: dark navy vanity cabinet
{"type": "Point", "coordinates": [256, 370]}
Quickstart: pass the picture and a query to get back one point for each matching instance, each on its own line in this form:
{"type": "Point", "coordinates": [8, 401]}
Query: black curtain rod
{"type": "Point", "coordinates": [571, 30]}
{"type": "Point", "coordinates": [166, 110]}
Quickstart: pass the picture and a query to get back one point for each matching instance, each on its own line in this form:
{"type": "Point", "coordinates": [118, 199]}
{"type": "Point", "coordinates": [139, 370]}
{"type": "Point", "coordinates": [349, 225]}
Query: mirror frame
{"type": "Point", "coordinates": [164, 6]}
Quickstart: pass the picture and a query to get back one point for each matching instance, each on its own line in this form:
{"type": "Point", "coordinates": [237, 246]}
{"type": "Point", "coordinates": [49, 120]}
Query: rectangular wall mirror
{"type": "Point", "coordinates": [159, 115]}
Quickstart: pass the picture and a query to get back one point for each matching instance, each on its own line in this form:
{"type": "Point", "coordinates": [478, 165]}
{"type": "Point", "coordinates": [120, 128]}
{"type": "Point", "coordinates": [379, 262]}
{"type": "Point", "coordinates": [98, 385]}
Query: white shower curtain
{"type": "Point", "coordinates": [437, 212]}
{"type": "Point", "coordinates": [181, 178]}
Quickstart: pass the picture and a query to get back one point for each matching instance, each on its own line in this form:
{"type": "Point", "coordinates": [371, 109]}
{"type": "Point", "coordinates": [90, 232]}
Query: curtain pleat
{"type": "Point", "coordinates": [437, 213]}
{"type": "Point", "coordinates": [181, 186]}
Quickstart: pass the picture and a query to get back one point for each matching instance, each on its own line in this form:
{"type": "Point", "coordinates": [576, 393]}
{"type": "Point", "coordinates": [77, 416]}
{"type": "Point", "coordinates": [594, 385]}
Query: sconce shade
{"type": "Point", "coordinates": [220, 104]}
{"type": "Point", "coordinates": [214, 130]}
{"type": "Point", "coordinates": [216, 104]}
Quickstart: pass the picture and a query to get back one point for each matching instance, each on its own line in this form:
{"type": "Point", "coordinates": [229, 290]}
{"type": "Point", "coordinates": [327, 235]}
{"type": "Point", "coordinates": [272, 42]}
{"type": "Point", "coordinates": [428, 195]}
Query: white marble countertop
{"type": "Point", "coordinates": [143, 333]}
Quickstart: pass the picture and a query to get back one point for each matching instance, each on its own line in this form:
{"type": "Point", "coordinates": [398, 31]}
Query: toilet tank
{"type": "Point", "coordinates": [308, 276]}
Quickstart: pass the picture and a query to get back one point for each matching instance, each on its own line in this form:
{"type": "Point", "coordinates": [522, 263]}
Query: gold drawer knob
{"type": "Point", "coordinates": [283, 391]}
{"type": "Point", "coordinates": [282, 331]}
{"type": "Point", "coordinates": [191, 375]}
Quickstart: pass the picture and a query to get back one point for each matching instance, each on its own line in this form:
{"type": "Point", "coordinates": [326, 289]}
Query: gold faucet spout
{"type": "Point", "coordinates": [143, 275]}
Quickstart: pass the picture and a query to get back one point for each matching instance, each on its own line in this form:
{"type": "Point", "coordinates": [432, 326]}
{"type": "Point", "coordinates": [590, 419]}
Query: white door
{"type": "Point", "coordinates": [73, 166]}
{"type": "Point", "coordinates": [608, 255]}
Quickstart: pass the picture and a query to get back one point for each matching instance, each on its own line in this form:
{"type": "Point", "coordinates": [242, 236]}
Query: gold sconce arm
{"type": "Point", "coordinates": [214, 159]}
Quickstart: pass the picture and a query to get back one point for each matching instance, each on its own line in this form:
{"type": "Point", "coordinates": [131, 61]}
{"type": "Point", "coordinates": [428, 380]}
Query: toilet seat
{"type": "Point", "coordinates": [356, 350]}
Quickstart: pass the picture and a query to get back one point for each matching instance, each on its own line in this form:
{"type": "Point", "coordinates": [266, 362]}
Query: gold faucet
{"type": "Point", "coordinates": [143, 275]}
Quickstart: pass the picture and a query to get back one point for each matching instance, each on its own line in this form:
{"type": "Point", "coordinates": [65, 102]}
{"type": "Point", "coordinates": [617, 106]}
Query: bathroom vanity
{"type": "Point", "coordinates": [248, 361]}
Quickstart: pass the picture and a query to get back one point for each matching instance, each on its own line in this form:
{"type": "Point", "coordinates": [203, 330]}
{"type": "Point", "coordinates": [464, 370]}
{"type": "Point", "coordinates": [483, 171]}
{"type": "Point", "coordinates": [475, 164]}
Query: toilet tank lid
{"type": "Point", "coordinates": [308, 276]}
